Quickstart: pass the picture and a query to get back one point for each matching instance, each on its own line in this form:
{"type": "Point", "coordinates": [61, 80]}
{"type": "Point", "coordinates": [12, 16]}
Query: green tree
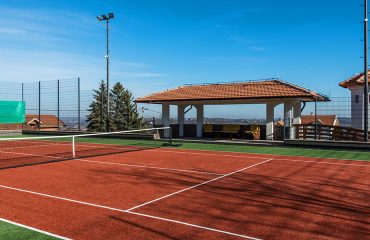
{"type": "Point", "coordinates": [97, 117]}
{"type": "Point", "coordinates": [124, 110]}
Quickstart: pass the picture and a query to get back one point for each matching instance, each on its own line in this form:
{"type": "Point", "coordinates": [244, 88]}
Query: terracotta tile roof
{"type": "Point", "coordinates": [266, 89]}
{"type": "Point", "coordinates": [357, 79]}
{"type": "Point", "coordinates": [47, 120]}
{"type": "Point", "coordinates": [330, 120]}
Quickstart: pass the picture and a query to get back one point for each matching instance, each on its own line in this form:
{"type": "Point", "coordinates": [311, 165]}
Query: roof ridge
{"type": "Point", "coordinates": [232, 82]}
{"type": "Point", "coordinates": [301, 88]}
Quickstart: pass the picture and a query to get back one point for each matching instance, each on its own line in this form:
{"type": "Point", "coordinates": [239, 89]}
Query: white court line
{"type": "Point", "coordinates": [151, 167]}
{"type": "Point", "coordinates": [31, 154]}
{"type": "Point", "coordinates": [178, 151]}
{"type": "Point", "coordinates": [194, 225]}
{"type": "Point", "coordinates": [246, 154]}
{"type": "Point", "coordinates": [129, 212]}
{"type": "Point", "coordinates": [197, 185]}
{"type": "Point", "coordinates": [34, 229]}
{"type": "Point", "coordinates": [344, 164]}
{"type": "Point", "coordinates": [42, 145]}
{"type": "Point", "coordinates": [122, 164]}
{"type": "Point", "coordinates": [222, 155]}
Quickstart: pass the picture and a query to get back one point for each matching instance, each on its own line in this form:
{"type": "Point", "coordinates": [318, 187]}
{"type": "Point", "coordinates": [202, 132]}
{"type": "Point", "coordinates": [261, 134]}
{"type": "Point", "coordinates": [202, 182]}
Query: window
{"type": "Point", "coordinates": [357, 98]}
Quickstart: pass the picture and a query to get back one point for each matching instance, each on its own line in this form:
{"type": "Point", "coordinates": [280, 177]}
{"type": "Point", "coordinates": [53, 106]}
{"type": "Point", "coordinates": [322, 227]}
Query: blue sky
{"type": "Point", "coordinates": [161, 44]}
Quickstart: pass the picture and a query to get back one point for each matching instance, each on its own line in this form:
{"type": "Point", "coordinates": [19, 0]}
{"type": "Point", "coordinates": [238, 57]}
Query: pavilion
{"type": "Point", "coordinates": [271, 93]}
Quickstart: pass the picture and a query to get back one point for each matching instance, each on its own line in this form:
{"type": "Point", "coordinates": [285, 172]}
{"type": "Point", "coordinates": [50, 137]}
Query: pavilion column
{"type": "Point", "coordinates": [296, 118]}
{"type": "Point", "coordinates": [270, 107]}
{"type": "Point", "coordinates": [181, 119]}
{"type": "Point", "coordinates": [166, 118]}
{"type": "Point", "coordinates": [200, 116]}
{"type": "Point", "coordinates": [287, 119]}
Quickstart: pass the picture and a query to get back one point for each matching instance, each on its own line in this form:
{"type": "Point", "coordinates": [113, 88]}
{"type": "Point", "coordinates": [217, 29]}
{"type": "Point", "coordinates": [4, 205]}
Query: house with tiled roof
{"type": "Point", "coordinates": [44, 122]}
{"type": "Point", "coordinates": [328, 120]}
{"type": "Point", "coordinates": [271, 93]}
{"type": "Point", "coordinates": [356, 85]}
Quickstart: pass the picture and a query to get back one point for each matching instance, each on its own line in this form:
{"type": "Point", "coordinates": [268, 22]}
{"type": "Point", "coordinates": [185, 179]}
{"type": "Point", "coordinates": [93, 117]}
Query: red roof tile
{"type": "Point", "coordinates": [329, 120]}
{"type": "Point", "coordinates": [357, 79]}
{"type": "Point", "coordinates": [46, 119]}
{"type": "Point", "coordinates": [233, 91]}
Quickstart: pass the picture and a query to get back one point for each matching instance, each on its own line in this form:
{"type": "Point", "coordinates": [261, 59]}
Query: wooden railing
{"type": "Point", "coordinates": [325, 132]}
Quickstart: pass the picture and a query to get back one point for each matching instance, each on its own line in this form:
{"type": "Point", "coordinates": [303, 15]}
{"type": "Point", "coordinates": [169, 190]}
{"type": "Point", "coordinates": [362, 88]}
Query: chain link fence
{"type": "Point", "coordinates": [51, 105]}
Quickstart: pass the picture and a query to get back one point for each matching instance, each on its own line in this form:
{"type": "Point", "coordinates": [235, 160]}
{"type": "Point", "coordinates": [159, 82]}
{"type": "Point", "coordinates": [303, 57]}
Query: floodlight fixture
{"type": "Point", "coordinates": [110, 15]}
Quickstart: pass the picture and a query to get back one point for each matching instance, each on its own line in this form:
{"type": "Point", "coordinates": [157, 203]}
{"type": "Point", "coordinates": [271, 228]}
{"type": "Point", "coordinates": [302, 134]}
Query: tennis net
{"type": "Point", "coordinates": [25, 151]}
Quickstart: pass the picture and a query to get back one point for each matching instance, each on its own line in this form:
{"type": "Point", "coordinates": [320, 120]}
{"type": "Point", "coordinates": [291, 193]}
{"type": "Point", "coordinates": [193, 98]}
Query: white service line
{"type": "Point", "coordinates": [122, 164]}
{"type": "Point", "coordinates": [42, 145]}
{"type": "Point", "coordinates": [240, 156]}
{"type": "Point", "coordinates": [31, 154]}
{"type": "Point", "coordinates": [34, 229]}
{"type": "Point", "coordinates": [195, 225]}
{"type": "Point", "coordinates": [178, 151]}
{"type": "Point", "coordinates": [129, 212]}
{"type": "Point", "coordinates": [197, 185]}
{"type": "Point", "coordinates": [150, 167]}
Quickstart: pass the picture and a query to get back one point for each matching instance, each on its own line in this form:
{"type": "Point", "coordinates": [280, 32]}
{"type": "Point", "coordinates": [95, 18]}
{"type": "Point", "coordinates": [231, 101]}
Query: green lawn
{"type": "Point", "coordinates": [12, 232]}
{"type": "Point", "coordinates": [290, 151]}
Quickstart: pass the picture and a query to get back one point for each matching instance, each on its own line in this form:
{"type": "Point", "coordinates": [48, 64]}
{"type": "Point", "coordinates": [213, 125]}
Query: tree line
{"type": "Point", "coordinates": [123, 114]}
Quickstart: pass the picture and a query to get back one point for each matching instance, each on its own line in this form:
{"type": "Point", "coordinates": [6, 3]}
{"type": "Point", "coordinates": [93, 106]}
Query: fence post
{"type": "Point", "coordinates": [39, 105]}
{"type": "Point", "coordinates": [79, 105]}
{"type": "Point", "coordinates": [315, 118]}
{"type": "Point", "coordinates": [23, 101]}
{"type": "Point", "coordinates": [58, 104]}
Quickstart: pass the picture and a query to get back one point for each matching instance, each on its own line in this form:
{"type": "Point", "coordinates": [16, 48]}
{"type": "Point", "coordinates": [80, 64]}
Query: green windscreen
{"type": "Point", "coordinates": [12, 112]}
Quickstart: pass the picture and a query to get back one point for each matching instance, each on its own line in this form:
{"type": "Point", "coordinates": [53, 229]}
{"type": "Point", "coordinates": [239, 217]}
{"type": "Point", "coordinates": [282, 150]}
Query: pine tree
{"type": "Point", "coordinates": [118, 108]}
{"type": "Point", "coordinates": [97, 118]}
{"type": "Point", "coordinates": [124, 110]}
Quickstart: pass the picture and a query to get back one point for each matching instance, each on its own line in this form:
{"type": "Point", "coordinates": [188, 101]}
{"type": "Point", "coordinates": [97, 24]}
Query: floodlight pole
{"type": "Point", "coordinates": [366, 70]}
{"type": "Point", "coordinates": [107, 18]}
{"type": "Point", "coordinates": [107, 57]}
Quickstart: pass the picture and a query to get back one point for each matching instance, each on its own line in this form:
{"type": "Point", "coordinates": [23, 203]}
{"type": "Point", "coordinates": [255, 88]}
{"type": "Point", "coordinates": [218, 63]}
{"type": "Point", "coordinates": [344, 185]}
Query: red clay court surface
{"type": "Point", "coordinates": [185, 194]}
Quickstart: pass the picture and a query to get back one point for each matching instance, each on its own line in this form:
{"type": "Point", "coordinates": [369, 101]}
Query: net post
{"type": "Point", "coordinates": [170, 140]}
{"type": "Point", "coordinates": [73, 147]}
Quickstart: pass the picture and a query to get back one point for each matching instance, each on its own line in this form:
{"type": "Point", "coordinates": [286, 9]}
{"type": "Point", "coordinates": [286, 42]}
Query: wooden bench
{"type": "Point", "coordinates": [210, 130]}
{"type": "Point", "coordinates": [230, 129]}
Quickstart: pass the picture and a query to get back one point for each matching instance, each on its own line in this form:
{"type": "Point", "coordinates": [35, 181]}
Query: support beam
{"type": "Point", "coordinates": [166, 118]}
{"type": "Point", "coordinates": [287, 119]}
{"type": "Point", "coordinates": [181, 119]}
{"type": "Point", "coordinates": [200, 116]}
{"type": "Point", "coordinates": [296, 118]}
{"type": "Point", "coordinates": [270, 114]}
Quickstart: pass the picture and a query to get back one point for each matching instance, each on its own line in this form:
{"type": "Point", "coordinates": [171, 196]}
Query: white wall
{"type": "Point", "coordinates": [357, 109]}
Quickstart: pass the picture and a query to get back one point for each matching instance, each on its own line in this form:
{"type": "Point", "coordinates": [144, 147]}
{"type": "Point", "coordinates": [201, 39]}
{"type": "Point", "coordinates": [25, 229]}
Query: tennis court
{"type": "Point", "coordinates": [111, 191]}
